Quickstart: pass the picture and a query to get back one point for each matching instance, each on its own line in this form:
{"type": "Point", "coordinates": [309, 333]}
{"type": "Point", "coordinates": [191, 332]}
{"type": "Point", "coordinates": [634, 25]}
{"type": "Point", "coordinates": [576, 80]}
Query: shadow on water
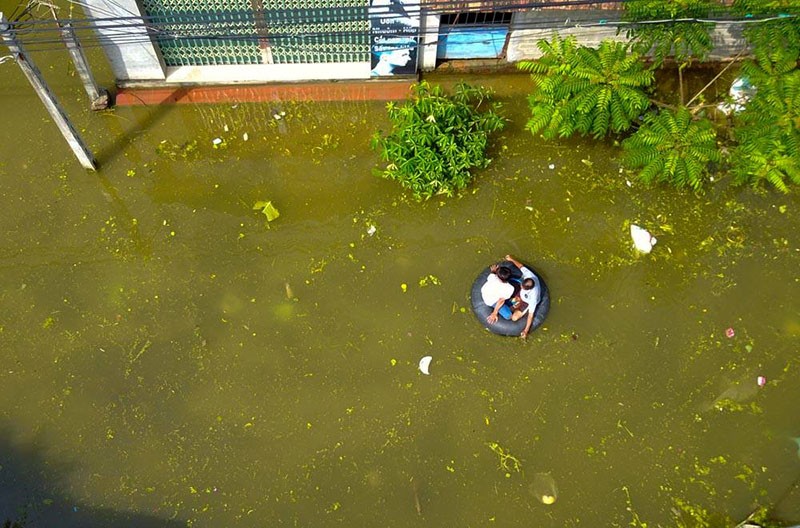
{"type": "Point", "coordinates": [122, 138]}
{"type": "Point", "coordinates": [31, 494]}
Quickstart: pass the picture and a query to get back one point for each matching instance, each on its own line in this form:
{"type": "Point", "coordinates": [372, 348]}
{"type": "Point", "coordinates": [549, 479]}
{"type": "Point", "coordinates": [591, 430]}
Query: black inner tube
{"type": "Point", "coordinates": [503, 326]}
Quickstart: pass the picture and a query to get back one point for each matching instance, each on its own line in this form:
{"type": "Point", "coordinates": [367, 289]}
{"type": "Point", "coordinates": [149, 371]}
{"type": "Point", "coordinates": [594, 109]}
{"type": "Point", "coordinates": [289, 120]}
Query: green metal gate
{"type": "Point", "coordinates": [220, 32]}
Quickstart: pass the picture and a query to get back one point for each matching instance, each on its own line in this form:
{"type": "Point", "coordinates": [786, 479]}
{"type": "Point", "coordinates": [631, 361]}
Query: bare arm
{"type": "Point", "coordinates": [514, 261]}
{"type": "Point", "coordinates": [528, 323]}
{"type": "Point", "coordinates": [492, 319]}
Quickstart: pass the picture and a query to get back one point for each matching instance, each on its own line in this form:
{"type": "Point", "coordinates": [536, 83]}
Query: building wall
{"type": "Point", "coordinates": [130, 51]}
{"type": "Point", "coordinates": [280, 55]}
{"type": "Point", "coordinates": [430, 28]}
{"type": "Point", "coordinates": [532, 26]}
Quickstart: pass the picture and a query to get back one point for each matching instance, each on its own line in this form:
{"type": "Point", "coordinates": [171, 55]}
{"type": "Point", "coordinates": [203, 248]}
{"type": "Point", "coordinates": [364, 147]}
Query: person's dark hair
{"type": "Point", "coordinates": [503, 273]}
{"type": "Point", "coordinates": [527, 284]}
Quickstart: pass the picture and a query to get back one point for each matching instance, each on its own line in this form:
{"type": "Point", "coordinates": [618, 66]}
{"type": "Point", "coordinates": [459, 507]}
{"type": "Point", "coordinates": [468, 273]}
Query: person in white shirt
{"type": "Point", "coordinates": [496, 290]}
{"type": "Point", "coordinates": [527, 299]}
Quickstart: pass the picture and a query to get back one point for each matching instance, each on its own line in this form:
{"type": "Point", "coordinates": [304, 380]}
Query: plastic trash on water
{"type": "Point", "coordinates": [642, 239]}
{"type": "Point", "coordinates": [424, 365]}
{"type": "Point", "coordinates": [740, 93]}
{"type": "Point", "coordinates": [544, 488]}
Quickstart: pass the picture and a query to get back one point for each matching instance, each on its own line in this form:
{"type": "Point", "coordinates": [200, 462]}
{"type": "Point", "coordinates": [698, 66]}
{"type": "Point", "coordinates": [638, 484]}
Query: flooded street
{"type": "Point", "coordinates": [171, 358]}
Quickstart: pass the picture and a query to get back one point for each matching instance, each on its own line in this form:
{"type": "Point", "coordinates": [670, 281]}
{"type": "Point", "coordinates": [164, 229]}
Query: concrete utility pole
{"type": "Point", "coordinates": [98, 96]}
{"type": "Point", "coordinates": [40, 87]}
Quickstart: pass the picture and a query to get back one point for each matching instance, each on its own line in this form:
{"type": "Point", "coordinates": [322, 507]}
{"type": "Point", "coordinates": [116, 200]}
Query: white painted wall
{"type": "Point", "coordinates": [522, 45]}
{"type": "Point", "coordinates": [428, 40]}
{"type": "Point", "coordinates": [267, 73]}
{"type": "Point", "coordinates": [139, 60]}
{"type": "Point", "coordinates": [529, 27]}
{"type": "Point", "coordinates": [142, 62]}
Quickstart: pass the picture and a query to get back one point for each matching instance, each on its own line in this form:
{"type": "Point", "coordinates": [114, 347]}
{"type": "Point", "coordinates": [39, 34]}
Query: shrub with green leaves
{"type": "Point", "coordinates": [768, 130]}
{"type": "Point", "coordinates": [666, 28]}
{"type": "Point", "coordinates": [673, 147]}
{"type": "Point", "coordinates": [585, 90]}
{"type": "Point", "coordinates": [777, 32]}
{"type": "Point", "coordinates": [437, 139]}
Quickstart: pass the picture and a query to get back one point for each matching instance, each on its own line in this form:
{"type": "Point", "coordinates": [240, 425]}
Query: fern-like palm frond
{"type": "Point", "coordinates": [672, 147]}
{"type": "Point", "coordinates": [586, 90]}
{"type": "Point", "coordinates": [684, 40]}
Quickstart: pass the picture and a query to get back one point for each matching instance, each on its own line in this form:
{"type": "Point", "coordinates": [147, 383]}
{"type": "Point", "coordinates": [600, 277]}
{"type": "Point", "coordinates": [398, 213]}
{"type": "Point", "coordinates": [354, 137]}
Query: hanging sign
{"type": "Point", "coordinates": [394, 37]}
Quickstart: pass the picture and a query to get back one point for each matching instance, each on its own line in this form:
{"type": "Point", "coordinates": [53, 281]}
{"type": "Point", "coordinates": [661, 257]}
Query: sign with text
{"type": "Point", "coordinates": [394, 36]}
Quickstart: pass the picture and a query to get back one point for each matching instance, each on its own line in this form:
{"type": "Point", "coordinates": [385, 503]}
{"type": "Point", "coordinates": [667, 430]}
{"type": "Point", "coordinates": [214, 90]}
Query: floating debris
{"type": "Point", "coordinates": [736, 396]}
{"type": "Point", "coordinates": [729, 333]}
{"type": "Point", "coordinates": [424, 365]}
{"type": "Point", "coordinates": [642, 239]}
{"type": "Point", "coordinates": [761, 380]}
{"type": "Point", "coordinates": [740, 93]}
{"type": "Point", "coordinates": [268, 209]}
{"type": "Point", "coordinates": [508, 462]}
{"type": "Point", "coordinates": [544, 488]}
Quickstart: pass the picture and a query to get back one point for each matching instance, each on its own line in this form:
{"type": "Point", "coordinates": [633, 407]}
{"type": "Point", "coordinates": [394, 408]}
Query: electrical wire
{"type": "Point", "coordinates": [436, 8]}
{"type": "Point", "coordinates": [173, 28]}
{"type": "Point", "coordinates": [135, 32]}
{"type": "Point", "coordinates": [172, 22]}
{"type": "Point", "coordinates": [222, 33]}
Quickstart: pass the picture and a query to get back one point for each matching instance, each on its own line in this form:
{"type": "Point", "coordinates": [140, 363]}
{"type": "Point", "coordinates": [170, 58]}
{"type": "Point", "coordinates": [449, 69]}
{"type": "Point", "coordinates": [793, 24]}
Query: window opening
{"type": "Point", "coordinates": [475, 18]}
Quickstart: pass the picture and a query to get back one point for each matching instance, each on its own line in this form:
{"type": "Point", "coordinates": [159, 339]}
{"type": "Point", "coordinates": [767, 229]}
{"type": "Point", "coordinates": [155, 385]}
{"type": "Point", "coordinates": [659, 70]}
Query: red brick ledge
{"type": "Point", "coordinates": [372, 90]}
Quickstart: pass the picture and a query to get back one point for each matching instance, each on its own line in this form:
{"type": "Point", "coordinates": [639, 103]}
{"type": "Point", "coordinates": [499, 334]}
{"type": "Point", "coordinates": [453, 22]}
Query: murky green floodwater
{"type": "Point", "coordinates": [168, 358]}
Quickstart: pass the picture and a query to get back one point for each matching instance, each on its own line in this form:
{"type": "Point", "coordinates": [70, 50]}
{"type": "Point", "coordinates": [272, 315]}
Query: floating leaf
{"type": "Point", "coordinates": [268, 209]}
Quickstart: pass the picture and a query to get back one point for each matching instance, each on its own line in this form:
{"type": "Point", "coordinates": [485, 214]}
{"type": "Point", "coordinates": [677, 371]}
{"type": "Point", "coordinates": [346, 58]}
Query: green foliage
{"type": "Point", "coordinates": [776, 38]}
{"type": "Point", "coordinates": [437, 139]}
{"type": "Point", "coordinates": [673, 35]}
{"type": "Point", "coordinates": [768, 148]}
{"type": "Point", "coordinates": [673, 147]}
{"type": "Point", "coordinates": [688, 515]}
{"type": "Point", "coordinates": [268, 209]}
{"type": "Point", "coordinates": [768, 130]}
{"type": "Point", "coordinates": [585, 90]}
